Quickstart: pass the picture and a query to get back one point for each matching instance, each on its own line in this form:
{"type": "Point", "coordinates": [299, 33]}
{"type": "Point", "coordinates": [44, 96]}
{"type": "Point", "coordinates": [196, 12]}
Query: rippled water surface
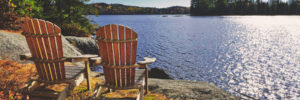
{"type": "Point", "coordinates": [255, 55]}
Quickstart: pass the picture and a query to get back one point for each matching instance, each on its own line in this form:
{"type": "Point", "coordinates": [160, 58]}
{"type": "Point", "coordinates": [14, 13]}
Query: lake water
{"type": "Point", "coordinates": [254, 55]}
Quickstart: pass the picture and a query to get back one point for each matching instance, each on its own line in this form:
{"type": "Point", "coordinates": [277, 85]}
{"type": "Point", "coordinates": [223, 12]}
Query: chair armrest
{"type": "Point", "coordinates": [147, 60]}
{"type": "Point", "coordinates": [26, 56]}
{"type": "Point", "coordinates": [84, 57]}
{"type": "Point", "coordinates": [96, 60]}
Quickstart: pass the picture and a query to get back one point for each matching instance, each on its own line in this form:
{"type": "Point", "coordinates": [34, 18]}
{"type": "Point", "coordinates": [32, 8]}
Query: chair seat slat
{"type": "Point", "coordinates": [60, 50]}
{"type": "Point", "coordinates": [115, 36]}
{"type": "Point", "coordinates": [36, 49]}
{"type": "Point", "coordinates": [42, 51]}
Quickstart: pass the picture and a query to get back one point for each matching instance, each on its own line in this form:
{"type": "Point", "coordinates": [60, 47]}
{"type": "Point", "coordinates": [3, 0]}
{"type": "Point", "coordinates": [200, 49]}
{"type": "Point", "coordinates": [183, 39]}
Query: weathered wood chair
{"type": "Point", "coordinates": [118, 47]}
{"type": "Point", "coordinates": [45, 44]}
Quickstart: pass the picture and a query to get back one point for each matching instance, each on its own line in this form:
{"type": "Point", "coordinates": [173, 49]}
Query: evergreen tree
{"type": "Point", "coordinates": [222, 7]}
{"type": "Point", "coordinates": [68, 14]}
{"type": "Point", "coordinates": [243, 7]}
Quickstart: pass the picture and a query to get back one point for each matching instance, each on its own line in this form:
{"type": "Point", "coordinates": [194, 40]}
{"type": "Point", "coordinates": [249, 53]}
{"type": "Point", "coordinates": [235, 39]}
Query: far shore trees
{"type": "Point", "coordinates": [119, 9]}
{"type": "Point", "coordinates": [243, 7]}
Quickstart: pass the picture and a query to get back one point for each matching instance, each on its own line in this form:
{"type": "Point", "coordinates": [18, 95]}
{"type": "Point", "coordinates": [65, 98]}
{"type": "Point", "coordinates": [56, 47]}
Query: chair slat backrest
{"type": "Point", "coordinates": [44, 41]}
{"type": "Point", "coordinates": [117, 46]}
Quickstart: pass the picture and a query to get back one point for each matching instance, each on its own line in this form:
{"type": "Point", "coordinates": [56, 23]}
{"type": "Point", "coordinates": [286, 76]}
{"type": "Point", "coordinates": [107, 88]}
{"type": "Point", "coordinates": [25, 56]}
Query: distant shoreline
{"type": "Point", "coordinates": [249, 15]}
{"type": "Point", "coordinates": [103, 8]}
{"type": "Point", "coordinates": [192, 15]}
{"type": "Point", "coordinates": [139, 14]}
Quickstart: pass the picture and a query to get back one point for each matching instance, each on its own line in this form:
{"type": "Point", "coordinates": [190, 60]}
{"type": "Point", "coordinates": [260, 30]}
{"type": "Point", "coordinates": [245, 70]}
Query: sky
{"type": "Point", "coordinates": [147, 3]}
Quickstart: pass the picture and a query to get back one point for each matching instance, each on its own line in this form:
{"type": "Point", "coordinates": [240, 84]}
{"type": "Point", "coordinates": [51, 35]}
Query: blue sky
{"type": "Point", "coordinates": [147, 3]}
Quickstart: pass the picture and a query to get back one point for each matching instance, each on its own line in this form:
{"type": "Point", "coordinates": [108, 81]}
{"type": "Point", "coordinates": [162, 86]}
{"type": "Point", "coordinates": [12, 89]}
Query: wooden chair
{"type": "Point", "coordinates": [45, 44]}
{"type": "Point", "coordinates": [118, 47]}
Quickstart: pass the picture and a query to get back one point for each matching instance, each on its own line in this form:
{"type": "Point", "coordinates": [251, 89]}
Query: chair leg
{"type": "Point", "coordinates": [146, 81]}
{"type": "Point", "coordinates": [32, 86]}
{"type": "Point", "coordinates": [112, 90]}
{"type": "Point", "coordinates": [98, 91]}
{"type": "Point", "coordinates": [142, 93]}
{"type": "Point", "coordinates": [87, 74]}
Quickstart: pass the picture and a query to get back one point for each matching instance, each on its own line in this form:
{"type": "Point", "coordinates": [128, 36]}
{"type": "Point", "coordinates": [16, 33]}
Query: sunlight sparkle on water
{"type": "Point", "coordinates": [254, 55]}
{"type": "Point", "coordinates": [270, 51]}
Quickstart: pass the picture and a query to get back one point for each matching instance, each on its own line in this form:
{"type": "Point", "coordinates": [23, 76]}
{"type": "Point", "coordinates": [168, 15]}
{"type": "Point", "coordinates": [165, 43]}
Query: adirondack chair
{"type": "Point", "coordinates": [45, 44]}
{"type": "Point", "coordinates": [118, 47]}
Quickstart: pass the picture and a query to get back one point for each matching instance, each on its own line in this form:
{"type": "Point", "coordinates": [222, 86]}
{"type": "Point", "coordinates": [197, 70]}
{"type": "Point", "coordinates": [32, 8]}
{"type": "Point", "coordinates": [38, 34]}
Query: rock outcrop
{"type": "Point", "coordinates": [13, 44]}
{"type": "Point", "coordinates": [186, 90]}
{"type": "Point", "coordinates": [183, 89]}
{"type": "Point", "coordinates": [86, 45]}
{"type": "Point", "coordinates": [159, 73]}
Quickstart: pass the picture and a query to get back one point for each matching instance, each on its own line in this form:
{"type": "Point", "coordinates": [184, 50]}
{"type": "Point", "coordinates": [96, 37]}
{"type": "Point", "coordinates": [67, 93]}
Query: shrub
{"type": "Point", "coordinates": [7, 16]}
{"type": "Point", "coordinates": [74, 30]}
{"type": "Point", "coordinates": [67, 14]}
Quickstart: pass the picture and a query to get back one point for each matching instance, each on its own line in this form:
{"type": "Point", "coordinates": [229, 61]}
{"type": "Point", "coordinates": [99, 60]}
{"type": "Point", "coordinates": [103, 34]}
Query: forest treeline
{"type": "Point", "coordinates": [115, 9]}
{"type": "Point", "coordinates": [243, 7]}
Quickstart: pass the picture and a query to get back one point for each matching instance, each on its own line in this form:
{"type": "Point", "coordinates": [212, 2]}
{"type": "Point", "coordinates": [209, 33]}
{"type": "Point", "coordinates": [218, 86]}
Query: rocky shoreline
{"type": "Point", "coordinates": [182, 89]}
{"type": "Point", "coordinates": [161, 82]}
{"type": "Point", "coordinates": [14, 44]}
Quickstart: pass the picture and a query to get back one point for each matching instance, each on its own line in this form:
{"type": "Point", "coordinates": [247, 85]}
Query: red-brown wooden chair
{"type": "Point", "coordinates": [118, 47]}
{"type": "Point", "coordinates": [45, 44]}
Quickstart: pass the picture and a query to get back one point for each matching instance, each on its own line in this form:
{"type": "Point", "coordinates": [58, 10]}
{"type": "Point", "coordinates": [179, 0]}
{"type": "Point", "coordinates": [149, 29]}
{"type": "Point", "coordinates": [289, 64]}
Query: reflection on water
{"type": "Point", "coordinates": [254, 55]}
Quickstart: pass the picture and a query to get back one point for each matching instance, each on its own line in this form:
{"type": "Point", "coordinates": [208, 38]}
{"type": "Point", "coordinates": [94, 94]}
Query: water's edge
{"type": "Point", "coordinates": [155, 85]}
{"type": "Point", "coordinates": [164, 80]}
